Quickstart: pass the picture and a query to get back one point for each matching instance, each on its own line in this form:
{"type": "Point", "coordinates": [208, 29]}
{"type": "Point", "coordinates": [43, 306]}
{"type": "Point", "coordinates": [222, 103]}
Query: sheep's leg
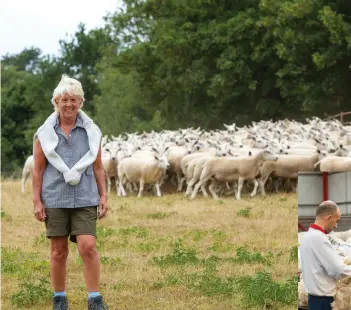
{"type": "Point", "coordinates": [293, 186]}
{"type": "Point", "coordinates": [255, 188]}
{"type": "Point", "coordinates": [179, 181]}
{"type": "Point", "coordinates": [141, 187]}
{"type": "Point", "coordinates": [262, 190]}
{"type": "Point", "coordinates": [262, 184]}
{"type": "Point", "coordinates": [197, 187]}
{"type": "Point", "coordinates": [180, 185]}
{"type": "Point", "coordinates": [220, 188]}
{"type": "Point", "coordinates": [232, 190]}
{"type": "Point", "coordinates": [24, 179]}
{"type": "Point", "coordinates": [117, 185]}
{"type": "Point", "coordinates": [108, 184]}
{"type": "Point", "coordinates": [190, 187]}
{"type": "Point", "coordinates": [162, 179]}
{"type": "Point", "coordinates": [203, 190]}
{"type": "Point", "coordinates": [122, 190]}
{"type": "Point", "coordinates": [276, 185]}
{"type": "Point", "coordinates": [158, 190]}
{"type": "Point", "coordinates": [240, 186]}
{"type": "Point", "coordinates": [211, 189]}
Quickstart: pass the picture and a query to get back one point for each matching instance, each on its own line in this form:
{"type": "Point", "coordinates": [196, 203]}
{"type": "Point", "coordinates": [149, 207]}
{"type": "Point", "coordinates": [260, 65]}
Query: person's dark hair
{"type": "Point", "coordinates": [327, 207]}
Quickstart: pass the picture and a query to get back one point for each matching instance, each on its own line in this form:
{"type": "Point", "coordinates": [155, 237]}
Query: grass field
{"type": "Point", "coordinates": [162, 253]}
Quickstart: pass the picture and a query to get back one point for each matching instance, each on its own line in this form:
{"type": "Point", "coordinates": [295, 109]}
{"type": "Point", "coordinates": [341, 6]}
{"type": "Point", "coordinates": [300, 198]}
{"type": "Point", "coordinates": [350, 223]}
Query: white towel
{"type": "Point", "coordinates": [49, 140]}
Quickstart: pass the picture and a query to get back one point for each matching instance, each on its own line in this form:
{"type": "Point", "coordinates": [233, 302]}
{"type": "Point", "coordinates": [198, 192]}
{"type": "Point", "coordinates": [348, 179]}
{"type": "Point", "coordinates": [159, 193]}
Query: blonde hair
{"type": "Point", "coordinates": [69, 86]}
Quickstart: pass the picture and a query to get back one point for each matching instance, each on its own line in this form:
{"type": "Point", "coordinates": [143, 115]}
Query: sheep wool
{"type": "Point", "coordinates": [342, 298]}
{"type": "Point", "coordinates": [302, 295]}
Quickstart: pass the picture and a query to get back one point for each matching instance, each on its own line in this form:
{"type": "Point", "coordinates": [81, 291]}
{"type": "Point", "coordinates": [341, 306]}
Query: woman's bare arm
{"type": "Point", "coordinates": [37, 180]}
{"type": "Point", "coordinates": [101, 183]}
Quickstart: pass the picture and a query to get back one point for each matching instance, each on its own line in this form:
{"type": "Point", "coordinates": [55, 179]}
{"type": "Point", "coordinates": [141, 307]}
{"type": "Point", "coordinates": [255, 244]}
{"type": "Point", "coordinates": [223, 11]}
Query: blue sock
{"type": "Point", "coordinates": [93, 294]}
{"type": "Point", "coordinates": [63, 293]}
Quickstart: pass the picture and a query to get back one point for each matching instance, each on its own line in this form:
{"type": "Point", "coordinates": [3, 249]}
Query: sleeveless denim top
{"type": "Point", "coordinates": [56, 193]}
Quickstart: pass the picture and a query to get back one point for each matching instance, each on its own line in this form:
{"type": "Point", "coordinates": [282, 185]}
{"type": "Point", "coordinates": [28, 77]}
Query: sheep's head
{"type": "Point", "coordinates": [162, 161]}
{"type": "Point", "coordinates": [268, 155]}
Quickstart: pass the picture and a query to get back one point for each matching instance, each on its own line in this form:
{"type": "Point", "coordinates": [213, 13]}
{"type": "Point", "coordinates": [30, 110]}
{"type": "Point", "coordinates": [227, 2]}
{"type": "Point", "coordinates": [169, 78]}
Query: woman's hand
{"type": "Point", "coordinates": [39, 211]}
{"type": "Point", "coordinates": [102, 206]}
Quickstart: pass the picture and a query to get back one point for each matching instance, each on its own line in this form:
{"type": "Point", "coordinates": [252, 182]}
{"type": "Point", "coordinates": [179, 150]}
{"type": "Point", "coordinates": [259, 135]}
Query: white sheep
{"type": "Point", "coordinates": [143, 171]}
{"type": "Point", "coordinates": [334, 164]}
{"type": "Point", "coordinates": [109, 161]}
{"type": "Point", "coordinates": [287, 167]}
{"type": "Point", "coordinates": [233, 169]}
{"type": "Point", "coordinates": [27, 171]}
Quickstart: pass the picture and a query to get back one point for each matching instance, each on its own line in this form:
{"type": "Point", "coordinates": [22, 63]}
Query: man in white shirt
{"type": "Point", "coordinates": [321, 265]}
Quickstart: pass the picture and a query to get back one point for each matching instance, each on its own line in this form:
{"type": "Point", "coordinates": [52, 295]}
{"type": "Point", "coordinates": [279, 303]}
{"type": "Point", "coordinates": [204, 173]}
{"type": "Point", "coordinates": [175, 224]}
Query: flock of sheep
{"type": "Point", "coordinates": [266, 154]}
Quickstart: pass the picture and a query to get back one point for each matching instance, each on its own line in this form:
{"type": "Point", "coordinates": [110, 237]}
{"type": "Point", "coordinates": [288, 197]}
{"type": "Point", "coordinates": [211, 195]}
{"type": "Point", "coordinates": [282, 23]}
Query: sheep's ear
{"type": "Point", "coordinates": [288, 147]}
{"type": "Point", "coordinates": [187, 140]}
{"type": "Point", "coordinates": [250, 153]}
{"type": "Point", "coordinates": [341, 146]}
{"type": "Point", "coordinates": [318, 151]}
{"type": "Point", "coordinates": [253, 138]}
{"type": "Point", "coordinates": [107, 150]}
{"type": "Point", "coordinates": [154, 150]}
{"type": "Point", "coordinates": [195, 142]}
{"type": "Point", "coordinates": [156, 157]}
{"type": "Point", "coordinates": [120, 149]}
{"type": "Point", "coordinates": [166, 149]}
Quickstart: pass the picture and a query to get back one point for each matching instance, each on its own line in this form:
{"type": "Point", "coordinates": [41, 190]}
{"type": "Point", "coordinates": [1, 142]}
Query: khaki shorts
{"type": "Point", "coordinates": [61, 222]}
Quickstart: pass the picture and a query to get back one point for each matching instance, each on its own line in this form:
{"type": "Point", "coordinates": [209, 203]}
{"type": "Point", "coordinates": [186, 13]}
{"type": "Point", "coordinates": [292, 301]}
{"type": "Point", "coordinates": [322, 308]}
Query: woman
{"type": "Point", "coordinates": [69, 191]}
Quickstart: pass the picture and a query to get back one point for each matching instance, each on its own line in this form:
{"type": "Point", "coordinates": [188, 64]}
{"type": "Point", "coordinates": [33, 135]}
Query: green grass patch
{"type": "Point", "coordinates": [245, 256]}
{"type": "Point", "coordinates": [261, 291]}
{"type": "Point", "coordinates": [198, 235]}
{"type": "Point", "coordinates": [293, 254]}
{"type": "Point", "coordinates": [180, 255]}
{"type": "Point", "coordinates": [111, 261]}
{"type": "Point", "coordinates": [32, 293]}
{"type": "Point", "coordinates": [160, 215]}
{"type": "Point", "coordinates": [22, 265]}
{"type": "Point", "coordinates": [148, 247]}
{"type": "Point", "coordinates": [244, 212]}
{"type": "Point", "coordinates": [138, 232]}
{"type": "Point", "coordinates": [105, 232]}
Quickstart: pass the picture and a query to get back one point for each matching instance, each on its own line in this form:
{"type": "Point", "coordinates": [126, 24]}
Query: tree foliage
{"type": "Point", "coordinates": [168, 64]}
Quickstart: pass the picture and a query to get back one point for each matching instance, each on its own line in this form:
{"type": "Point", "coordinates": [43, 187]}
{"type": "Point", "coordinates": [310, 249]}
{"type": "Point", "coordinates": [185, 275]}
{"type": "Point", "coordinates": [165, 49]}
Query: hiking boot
{"type": "Point", "coordinates": [60, 303]}
{"type": "Point", "coordinates": [96, 303]}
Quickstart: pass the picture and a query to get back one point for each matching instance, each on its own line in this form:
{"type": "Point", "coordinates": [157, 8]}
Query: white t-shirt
{"type": "Point", "coordinates": [321, 265]}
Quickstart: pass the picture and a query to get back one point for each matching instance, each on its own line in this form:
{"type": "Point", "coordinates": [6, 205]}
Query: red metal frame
{"type": "Point", "coordinates": [301, 226]}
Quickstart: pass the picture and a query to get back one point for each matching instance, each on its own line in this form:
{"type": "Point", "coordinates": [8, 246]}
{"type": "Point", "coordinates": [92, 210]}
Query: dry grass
{"type": "Point", "coordinates": [141, 229]}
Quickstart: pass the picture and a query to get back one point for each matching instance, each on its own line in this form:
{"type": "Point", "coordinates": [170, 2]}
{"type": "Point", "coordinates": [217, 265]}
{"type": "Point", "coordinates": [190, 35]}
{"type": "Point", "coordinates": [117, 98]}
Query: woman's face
{"type": "Point", "coordinates": [68, 105]}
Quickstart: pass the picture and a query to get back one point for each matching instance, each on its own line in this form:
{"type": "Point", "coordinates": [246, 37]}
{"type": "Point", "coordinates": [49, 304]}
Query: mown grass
{"type": "Point", "coordinates": [162, 253]}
